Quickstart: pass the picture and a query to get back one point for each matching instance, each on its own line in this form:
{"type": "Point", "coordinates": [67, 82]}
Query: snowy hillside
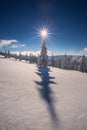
{"type": "Point", "coordinates": [33, 98]}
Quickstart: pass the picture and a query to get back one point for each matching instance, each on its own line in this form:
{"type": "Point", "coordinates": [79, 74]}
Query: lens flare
{"type": "Point", "coordinates": [44, 33]}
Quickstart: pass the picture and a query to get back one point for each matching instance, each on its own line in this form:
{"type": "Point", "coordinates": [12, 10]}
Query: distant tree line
{"type": "Point", "coordinates": [78, 63]}
{"type": "Point", "coordinates": [28, 58]}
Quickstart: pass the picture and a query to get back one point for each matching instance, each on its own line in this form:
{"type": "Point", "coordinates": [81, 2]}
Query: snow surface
{"type": "Point", "coordinates": [33, 98]}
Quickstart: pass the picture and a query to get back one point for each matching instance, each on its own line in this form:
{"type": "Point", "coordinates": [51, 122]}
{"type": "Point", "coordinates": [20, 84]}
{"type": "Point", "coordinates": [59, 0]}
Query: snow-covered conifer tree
{"type": "Point", "coordinates": [52, 61]}
{"type": "Point", "coordinates": [43, 58]}
{"type": "Point", "coordinates": [82, 66]}
{"type": "Point", "coordinates": [26, 57]}
{"type": "Point", "coordinates": [30, 58]}
{"type": "Point", "coordinates": [8, 54]}
{"type": "Point", "coordinates": [59, 63]}
{"type": "Point", "coordinates": [20, 56]}
{"type": "Point", "coordinates": [5, 54]}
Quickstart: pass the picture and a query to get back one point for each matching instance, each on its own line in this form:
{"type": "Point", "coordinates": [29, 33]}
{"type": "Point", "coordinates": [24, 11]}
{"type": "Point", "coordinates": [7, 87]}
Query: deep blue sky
{"type": "Point", "coordinates": [66, 19]}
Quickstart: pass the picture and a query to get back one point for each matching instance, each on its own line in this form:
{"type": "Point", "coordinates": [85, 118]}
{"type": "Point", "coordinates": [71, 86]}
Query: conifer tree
{"type": "Point", "coordinates": [43, 58]}
{"type": "Point", "coordinates": [26, 57]}
{"type": "Point", "coordinates": [52, 61]}
{"type": "Point", "coordinates": [82, 66]}
{"type": "Point", "coordinates": [59, 63]}
{"type": "Point", "coordinates": [5, 54]}
{"type": "Point", "coordinates": [8, 54]}
{"type": "Point", "coordinates": [20, 56]}
{"type": "Point", "coordinates": [15, 56]}
{"type": "Point", "coordinates": [30, 58]}
{"type": "Point", "coordinates": [64, 63]}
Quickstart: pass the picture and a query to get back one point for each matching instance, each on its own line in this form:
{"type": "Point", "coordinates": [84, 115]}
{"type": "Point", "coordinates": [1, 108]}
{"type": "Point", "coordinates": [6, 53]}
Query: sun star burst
{"type": "Point", "coordinates": [43, 32]}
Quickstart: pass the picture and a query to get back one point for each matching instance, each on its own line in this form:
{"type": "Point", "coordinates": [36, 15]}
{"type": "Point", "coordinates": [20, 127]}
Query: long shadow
{"type": "Point", "coordinates": [46, 92]}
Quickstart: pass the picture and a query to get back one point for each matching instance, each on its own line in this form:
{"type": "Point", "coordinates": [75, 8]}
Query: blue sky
{"type": "Point", "coordinates": [66, 20]}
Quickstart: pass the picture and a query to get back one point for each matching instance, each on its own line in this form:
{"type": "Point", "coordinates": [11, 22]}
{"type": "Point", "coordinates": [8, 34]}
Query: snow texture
{"type": "Point", "coordinates": [33, 98]}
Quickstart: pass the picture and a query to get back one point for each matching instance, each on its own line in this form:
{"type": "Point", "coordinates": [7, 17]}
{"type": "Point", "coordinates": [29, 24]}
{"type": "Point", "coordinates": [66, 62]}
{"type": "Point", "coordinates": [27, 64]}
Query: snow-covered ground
{"type": "Point", "coordinates": [32, 98]}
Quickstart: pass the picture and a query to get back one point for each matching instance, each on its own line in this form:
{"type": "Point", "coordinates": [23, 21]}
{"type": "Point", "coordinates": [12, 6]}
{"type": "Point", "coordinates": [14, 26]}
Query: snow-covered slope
{"type": "Point", "coordinates": [33, 98]}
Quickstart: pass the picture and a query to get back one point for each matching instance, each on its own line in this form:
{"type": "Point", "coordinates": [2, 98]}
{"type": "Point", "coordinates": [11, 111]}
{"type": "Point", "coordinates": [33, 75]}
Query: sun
{"type": "Point", "coordinates": [44, 33]}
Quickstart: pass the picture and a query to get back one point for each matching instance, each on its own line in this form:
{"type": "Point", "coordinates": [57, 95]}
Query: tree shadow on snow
{"type": "Point", "coordinates": [46, 92]}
